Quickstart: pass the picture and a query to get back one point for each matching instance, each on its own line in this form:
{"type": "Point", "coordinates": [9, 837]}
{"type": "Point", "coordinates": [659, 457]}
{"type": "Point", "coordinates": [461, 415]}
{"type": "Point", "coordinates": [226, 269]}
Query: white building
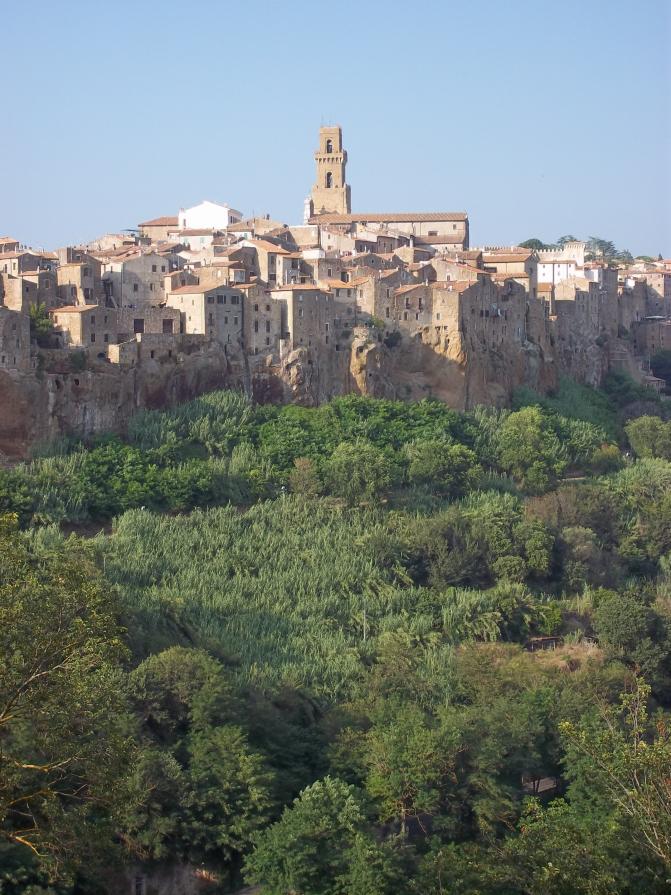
{"type": "Point", "coordinates": [207, 216]}
{"type": "Point", "coordinates": [557, 265]}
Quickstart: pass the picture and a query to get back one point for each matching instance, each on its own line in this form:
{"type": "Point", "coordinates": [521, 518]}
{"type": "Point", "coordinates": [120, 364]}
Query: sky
{"type": "Point", "coordinates": [539, 119]}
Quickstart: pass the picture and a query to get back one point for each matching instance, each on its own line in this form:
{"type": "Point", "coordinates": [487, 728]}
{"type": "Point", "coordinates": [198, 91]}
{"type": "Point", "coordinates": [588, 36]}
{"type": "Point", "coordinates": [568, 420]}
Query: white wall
{"type": "Point", "coordinates": [207, 216]}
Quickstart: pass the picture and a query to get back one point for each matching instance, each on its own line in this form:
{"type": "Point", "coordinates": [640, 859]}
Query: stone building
{"type": "Point", "coordinates": [86, 326]}
{"type": "Point", "coordinates": [18, 293]}
{"type": "Point", "coordinates": [157, 229]}
{"type": "Point", "coordinates": [309, 314]}
{"type": "Point", "coordinates": [519, 265]}
{"type": "Point", "coordinates": [9, 244]}
{"type": "Point", "coordinates": [213, 311]}
{"type": "Point", "coordinates": [17, 263]}
{"type": "Point", "coordinates": [14, 340]}
{"type": "Point", "coordinates": [262, 320]}
{"type": "Point", "coordinates": [135, 280]}
{"type": "Point", "coordinates": [80, 281]}
{"type": "Point", "coordinates": [330, 193]}
{"type": "Point", "coordinates": [412, 224]}
{"type": "Point", "coordinates": [150, 320]}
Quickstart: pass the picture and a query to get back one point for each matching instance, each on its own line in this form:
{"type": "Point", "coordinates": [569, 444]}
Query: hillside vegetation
{"type": "Point", "coordinates": [304, 648]}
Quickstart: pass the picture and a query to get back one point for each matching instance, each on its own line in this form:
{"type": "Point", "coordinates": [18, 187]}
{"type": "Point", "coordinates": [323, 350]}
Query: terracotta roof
{"type": "Point", "coordinates": [4, 240]}
{"type": "Point", "coordinates": [391, 217]}
{"type": "Point", "coordinates": [192, 289]}
{"type": "Point", "coordinates": [74, 309]}
{"type": "Point", "coordinates": [337, 284]}
{"type": "Point", "coordinates": [453, 285]}
{"type": "Point", "coordinates": [200, 288]}
{"type": "Point", "coordinates": [544, 287]}
{"type": "Point", "coordinates": [408, 288]}
{"type": "Point", "coordinates": [359, 281]}
{"type": "Point", "coordinates": [197, 232]}
{"type": "Point", "coordinates": [166, 221]}
{"type": "Point", "coordinates": [297, 287]}
{"type": "Point", "coordinates": [439, 239]}
{"type": "Point", "coordinates": [267, 246]}
{"type": "Point", "coordinates": [510, 275]}
{"type": "Point", "coordinates": [505, 257]}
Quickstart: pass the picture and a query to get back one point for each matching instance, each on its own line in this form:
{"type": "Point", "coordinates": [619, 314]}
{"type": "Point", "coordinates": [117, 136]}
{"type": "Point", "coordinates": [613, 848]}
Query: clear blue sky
{"type": "Point", "coordinates": [537, 118]}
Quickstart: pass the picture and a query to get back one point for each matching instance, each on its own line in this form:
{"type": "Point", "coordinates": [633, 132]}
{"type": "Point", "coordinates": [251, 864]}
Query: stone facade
{"type": "Point", "coordinates": [330, 193]}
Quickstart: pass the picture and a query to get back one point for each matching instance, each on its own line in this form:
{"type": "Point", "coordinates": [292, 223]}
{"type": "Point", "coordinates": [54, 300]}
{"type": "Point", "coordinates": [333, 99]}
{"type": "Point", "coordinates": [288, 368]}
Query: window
{"type": "Point", "coordinates": [329, 180]}
{"type": "Point", "coordinates": [73, 291]}
{"type": "Point", "coordinates": [210, 299]}
{"type": "Point", "coordinates": [256, 326]}
{"type": "Point", "coordinates": [93, 337]}
{"type": "Point", "coordinates": [151, 287]}
{"type": "Point", "coordinates": [162, 268]}
{"type": "Point", "coordinates": [226, 320]}
{"type": "Point", "coordinates": [329, 146]}
{"type": "Point", "coordinates": [151, 354]}
{"type": "Point", "coordinates": [256, 307]}
{"type": "Point", "coordinates": [86, 271]}
{"type": "Point", "coordinates": [153, 268]}
{"type": "Point", "coordinates": [386, 312]}
{"type": "Point", "coordinates": [93, 319]}
{"type": "Point", "coordinates": [300, 312]}
{"type": "Point", "coordinates": [105, 319]}
{"type": "Point", "coordinates": [267, 307]}
{"type": "Point", "coordinates": [106, 337]}
{"type": "Point", "coordinates": [235, 299]}
{"type": "Point", "coordinates": [329, 271]}
{"type": "Point", "coordinates": [221, 299]}
{"type": "Point", "coordinates": [267, 340]}
{"type": "Point", "coordinates": [210, 319]}
{"type": "Point", "coordinates": [138, 325]}
{"type": "Point", "coordinates": [433, 233]}
{"type": "Point", "coordinates": [135, 287]}
{"type": "Point", "coordinates": [267, 326]}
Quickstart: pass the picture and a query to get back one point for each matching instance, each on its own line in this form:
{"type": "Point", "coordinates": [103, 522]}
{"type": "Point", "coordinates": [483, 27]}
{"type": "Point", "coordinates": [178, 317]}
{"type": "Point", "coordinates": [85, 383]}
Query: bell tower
{"type": "Point", "coordinates": [330, 193]}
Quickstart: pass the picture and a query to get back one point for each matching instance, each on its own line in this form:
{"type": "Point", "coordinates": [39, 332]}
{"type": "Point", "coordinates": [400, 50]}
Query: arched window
{"type": "Point", "coordinates": [329, 146]}
{"type": "Point", "coordinates": [329, 179]}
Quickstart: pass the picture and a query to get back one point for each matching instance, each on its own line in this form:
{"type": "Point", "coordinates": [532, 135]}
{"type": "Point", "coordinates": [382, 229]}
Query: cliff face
{"type": "Point", "coordinates": [423, 365]}
{"type": "Point", "coordinates": [39, 406]}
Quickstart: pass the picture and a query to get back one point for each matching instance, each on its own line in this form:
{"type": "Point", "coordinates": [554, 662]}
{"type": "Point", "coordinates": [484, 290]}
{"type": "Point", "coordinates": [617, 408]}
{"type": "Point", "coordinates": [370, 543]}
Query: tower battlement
{"type": "Point", "coordinates": [330, 193]}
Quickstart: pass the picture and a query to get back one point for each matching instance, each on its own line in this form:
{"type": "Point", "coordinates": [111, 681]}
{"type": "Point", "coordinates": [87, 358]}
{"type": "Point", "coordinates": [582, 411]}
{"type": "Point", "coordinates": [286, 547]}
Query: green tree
{"type": "Point", "coordinates": [315, 847]}
{"type": "Point", "coordinates": [304, 479]}
{"type": "Point", "coordinates": [358, 471]}
{"type": "Point", "coordinates": [410, 765]}
{"type": "Point", "coordinates": [529, 449]}
{"type": "Point", "coordinates": [536, 245]}
{"type": "Point", "coordinates": [41, 326]}
{"type": "Point", "coordinates": [561, 242]}
{"type": "Point", "coordinates": [650, 436]}
{"type": "Point", "coordinates": [629, 762]}
{"type": "Point", "coordinates": [450, 469]}
{"type": "Point", "coordinates": [64, 751]}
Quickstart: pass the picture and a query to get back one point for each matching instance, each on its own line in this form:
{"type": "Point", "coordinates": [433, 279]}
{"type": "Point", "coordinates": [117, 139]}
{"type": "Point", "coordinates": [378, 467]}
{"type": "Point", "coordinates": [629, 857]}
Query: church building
{"type": "Point", "coordinates": [329, 204]}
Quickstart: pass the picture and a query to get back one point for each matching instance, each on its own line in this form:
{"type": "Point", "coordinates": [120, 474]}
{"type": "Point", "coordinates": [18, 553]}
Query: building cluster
{"type": "Point", "coordinates": [254, 286]}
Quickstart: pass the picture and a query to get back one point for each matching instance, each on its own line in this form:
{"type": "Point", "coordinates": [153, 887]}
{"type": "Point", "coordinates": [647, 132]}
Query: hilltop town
{"type": "Point", "coordinates": [376, 303]}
